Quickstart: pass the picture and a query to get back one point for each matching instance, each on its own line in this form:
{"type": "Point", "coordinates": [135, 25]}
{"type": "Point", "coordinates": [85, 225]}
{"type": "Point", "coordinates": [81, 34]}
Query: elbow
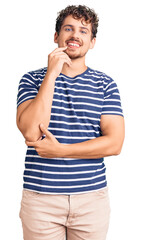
{"type": "Point", "coordinates": [30, 134]}
{"type": "Point", "coordinates": [117, 152]}
{"type": "Point", "coordinates": [117, 149]}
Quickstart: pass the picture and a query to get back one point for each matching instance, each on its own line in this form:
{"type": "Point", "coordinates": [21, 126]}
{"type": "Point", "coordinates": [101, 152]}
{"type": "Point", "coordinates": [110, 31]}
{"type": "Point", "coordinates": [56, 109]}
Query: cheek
{"type": "Point", "coordinates": [86, 46]}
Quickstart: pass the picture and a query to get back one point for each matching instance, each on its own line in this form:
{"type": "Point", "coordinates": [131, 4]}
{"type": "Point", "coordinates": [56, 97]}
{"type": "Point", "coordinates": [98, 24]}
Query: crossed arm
{"type": "Point", "coordinates": [33, 118]}
{"type": "Point", "coordinates": [110, 143]}
{"type": "Point", "coordinates": [30, 116]}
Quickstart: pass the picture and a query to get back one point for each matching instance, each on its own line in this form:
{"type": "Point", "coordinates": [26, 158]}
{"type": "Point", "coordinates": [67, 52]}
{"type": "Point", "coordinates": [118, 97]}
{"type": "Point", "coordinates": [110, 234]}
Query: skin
{"type": "Point", "coordinates": [74, 31]}
{"type": "Point", "coordinates": [33, 115]}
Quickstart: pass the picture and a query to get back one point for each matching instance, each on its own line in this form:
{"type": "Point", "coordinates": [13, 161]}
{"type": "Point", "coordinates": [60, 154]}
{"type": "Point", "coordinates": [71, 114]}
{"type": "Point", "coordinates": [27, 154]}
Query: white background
{"type": "Point", "coordinates": [27, 30]}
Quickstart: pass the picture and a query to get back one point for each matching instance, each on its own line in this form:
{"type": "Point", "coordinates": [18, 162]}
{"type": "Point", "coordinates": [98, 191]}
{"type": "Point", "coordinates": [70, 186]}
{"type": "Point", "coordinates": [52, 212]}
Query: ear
{"type": "Point", "coordinates": [92, 43]}
{"type": "Point", "coordinates": [56, 37]}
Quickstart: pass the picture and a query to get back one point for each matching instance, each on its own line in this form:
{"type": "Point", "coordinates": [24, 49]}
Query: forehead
{"type": "Point", "coordinates": [70, 20]}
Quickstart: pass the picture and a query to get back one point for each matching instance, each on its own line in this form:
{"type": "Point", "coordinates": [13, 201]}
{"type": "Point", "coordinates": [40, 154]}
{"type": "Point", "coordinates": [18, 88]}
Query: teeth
{"type": "Point", "coordinates": [73, 44]}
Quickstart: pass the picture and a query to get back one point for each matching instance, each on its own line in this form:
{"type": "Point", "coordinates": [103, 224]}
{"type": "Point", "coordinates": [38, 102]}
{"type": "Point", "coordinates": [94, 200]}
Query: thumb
{"type": "Point", "coordinates": [45, 131]}
{"type": "Point", "coordinates": [43, 128]}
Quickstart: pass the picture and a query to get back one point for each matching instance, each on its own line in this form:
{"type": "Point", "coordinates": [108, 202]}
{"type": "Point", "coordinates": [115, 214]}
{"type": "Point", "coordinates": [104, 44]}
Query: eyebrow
{"type": "Point", "coordinates": [68, 25]}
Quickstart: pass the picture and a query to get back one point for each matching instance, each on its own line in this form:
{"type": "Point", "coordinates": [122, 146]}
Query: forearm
{"type": "Point", "coordinates": [39, 110]}
{"type": "Point", "coordinates": [96, 148]}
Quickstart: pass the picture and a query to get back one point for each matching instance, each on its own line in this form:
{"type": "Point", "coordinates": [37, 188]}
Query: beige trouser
{"type": "Point", "coordinates": [50, 217]}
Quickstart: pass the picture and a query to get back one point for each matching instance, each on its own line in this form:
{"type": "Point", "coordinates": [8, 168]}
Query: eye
{"type": "Point", "coordinates": [84, 32]}
{"type": "Point", "coordinates": [68, 29]}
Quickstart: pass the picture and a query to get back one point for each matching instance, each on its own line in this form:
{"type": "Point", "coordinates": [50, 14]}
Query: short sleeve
{"type": "Point", "coordinates": [112, 100]}
{"type": "Point", "coordinates": [28, 88]}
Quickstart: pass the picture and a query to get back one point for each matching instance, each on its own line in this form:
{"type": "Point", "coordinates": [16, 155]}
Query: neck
{"type": "Point", "coordinates": [78, 66]}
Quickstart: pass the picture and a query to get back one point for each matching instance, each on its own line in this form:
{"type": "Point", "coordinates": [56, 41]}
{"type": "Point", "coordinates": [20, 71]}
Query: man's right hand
{"type": "Point", "coordinates": [56, 60]}
{"type": "Point", "coordinates": [34, 111]}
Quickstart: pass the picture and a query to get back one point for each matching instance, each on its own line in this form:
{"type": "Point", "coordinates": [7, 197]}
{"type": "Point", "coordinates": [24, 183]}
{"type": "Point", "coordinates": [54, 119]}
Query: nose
{"type": "Point", "coordinates": [75, 36]}
{"type": "Point", "coordinates": [75, 33]}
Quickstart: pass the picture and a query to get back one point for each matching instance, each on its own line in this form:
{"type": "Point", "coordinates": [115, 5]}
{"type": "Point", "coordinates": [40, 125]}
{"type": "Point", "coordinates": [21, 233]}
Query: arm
{"type": "Point", "coordinates": [32, 112]}
{"type": "Point", "coordinates": [110, 143]}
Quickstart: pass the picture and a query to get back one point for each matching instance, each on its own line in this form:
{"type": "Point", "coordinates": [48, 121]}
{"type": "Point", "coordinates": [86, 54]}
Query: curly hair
{"type": "Point", "coordinates": [78, 12]}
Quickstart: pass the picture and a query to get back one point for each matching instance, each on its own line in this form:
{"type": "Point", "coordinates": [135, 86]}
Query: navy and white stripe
{"type": "Point", "coordinates": [78, 104]}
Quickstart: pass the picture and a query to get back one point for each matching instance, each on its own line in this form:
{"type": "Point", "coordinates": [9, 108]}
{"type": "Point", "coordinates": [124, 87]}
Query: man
{"type": "Point", "coordinates": [71, 118]}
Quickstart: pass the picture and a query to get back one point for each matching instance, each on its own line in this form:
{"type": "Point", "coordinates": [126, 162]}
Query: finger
{"type": "Point", "coordinates": [45, 131]}
{"type": "Point", "coordinates": [30, 144]}
{"type": "Point", "coordinates": [43, 128]}
{"type": "Point", "coordinates": [59, 54]}
{"type": "Point", "coordinates": [60, 49]}
{"type": "Point", "coordinates": [64, 57]}
{"type": "Point", "coordinates": [68, 61]}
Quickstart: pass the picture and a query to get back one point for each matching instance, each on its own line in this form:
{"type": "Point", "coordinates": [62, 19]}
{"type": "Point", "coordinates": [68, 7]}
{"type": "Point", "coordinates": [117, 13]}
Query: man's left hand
{"type": "Point", "coordinates": [49, 147]}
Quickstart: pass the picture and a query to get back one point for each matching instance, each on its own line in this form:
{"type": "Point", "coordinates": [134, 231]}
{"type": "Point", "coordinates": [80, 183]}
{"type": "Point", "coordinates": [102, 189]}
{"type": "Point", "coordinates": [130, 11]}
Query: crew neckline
{"type": "Point", "coordinates": [81, 74]}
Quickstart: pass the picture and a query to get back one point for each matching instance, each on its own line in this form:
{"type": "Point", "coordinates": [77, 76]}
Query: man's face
{"type": "Point", "coordinates": [75, 34]}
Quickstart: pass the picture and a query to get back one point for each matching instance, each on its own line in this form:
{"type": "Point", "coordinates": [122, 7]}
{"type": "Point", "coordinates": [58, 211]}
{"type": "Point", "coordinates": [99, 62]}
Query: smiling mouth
{"type": "Point", "coordinates": [73, 45]}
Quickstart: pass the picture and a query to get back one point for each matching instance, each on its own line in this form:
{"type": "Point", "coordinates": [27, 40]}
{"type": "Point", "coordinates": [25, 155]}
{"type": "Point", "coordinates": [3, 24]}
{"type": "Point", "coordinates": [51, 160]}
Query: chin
{"type": "Point", "coordinates": [73, 56]}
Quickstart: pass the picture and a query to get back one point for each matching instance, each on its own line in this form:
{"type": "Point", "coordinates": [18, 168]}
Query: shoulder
{"type": "Point", "coordinates": [35, 76]}
{"type": "Point", "coordinates": [99, 75]}
{"type": "Point", "coordinates": [37, 73]}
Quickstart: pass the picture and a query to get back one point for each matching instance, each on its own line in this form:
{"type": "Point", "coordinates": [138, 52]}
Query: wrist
{"type": "Point", "coordinates": [63, 150]}
{"type": "Point", "coordinates": [66, 150]}
{"type": "Point", "coordinates": [51, 75]}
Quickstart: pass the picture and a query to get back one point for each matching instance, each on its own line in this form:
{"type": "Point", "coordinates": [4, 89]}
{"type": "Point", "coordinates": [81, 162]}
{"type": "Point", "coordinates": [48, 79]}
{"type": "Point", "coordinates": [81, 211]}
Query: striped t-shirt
{"type": "Point", "coordinates": [78, 104]}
